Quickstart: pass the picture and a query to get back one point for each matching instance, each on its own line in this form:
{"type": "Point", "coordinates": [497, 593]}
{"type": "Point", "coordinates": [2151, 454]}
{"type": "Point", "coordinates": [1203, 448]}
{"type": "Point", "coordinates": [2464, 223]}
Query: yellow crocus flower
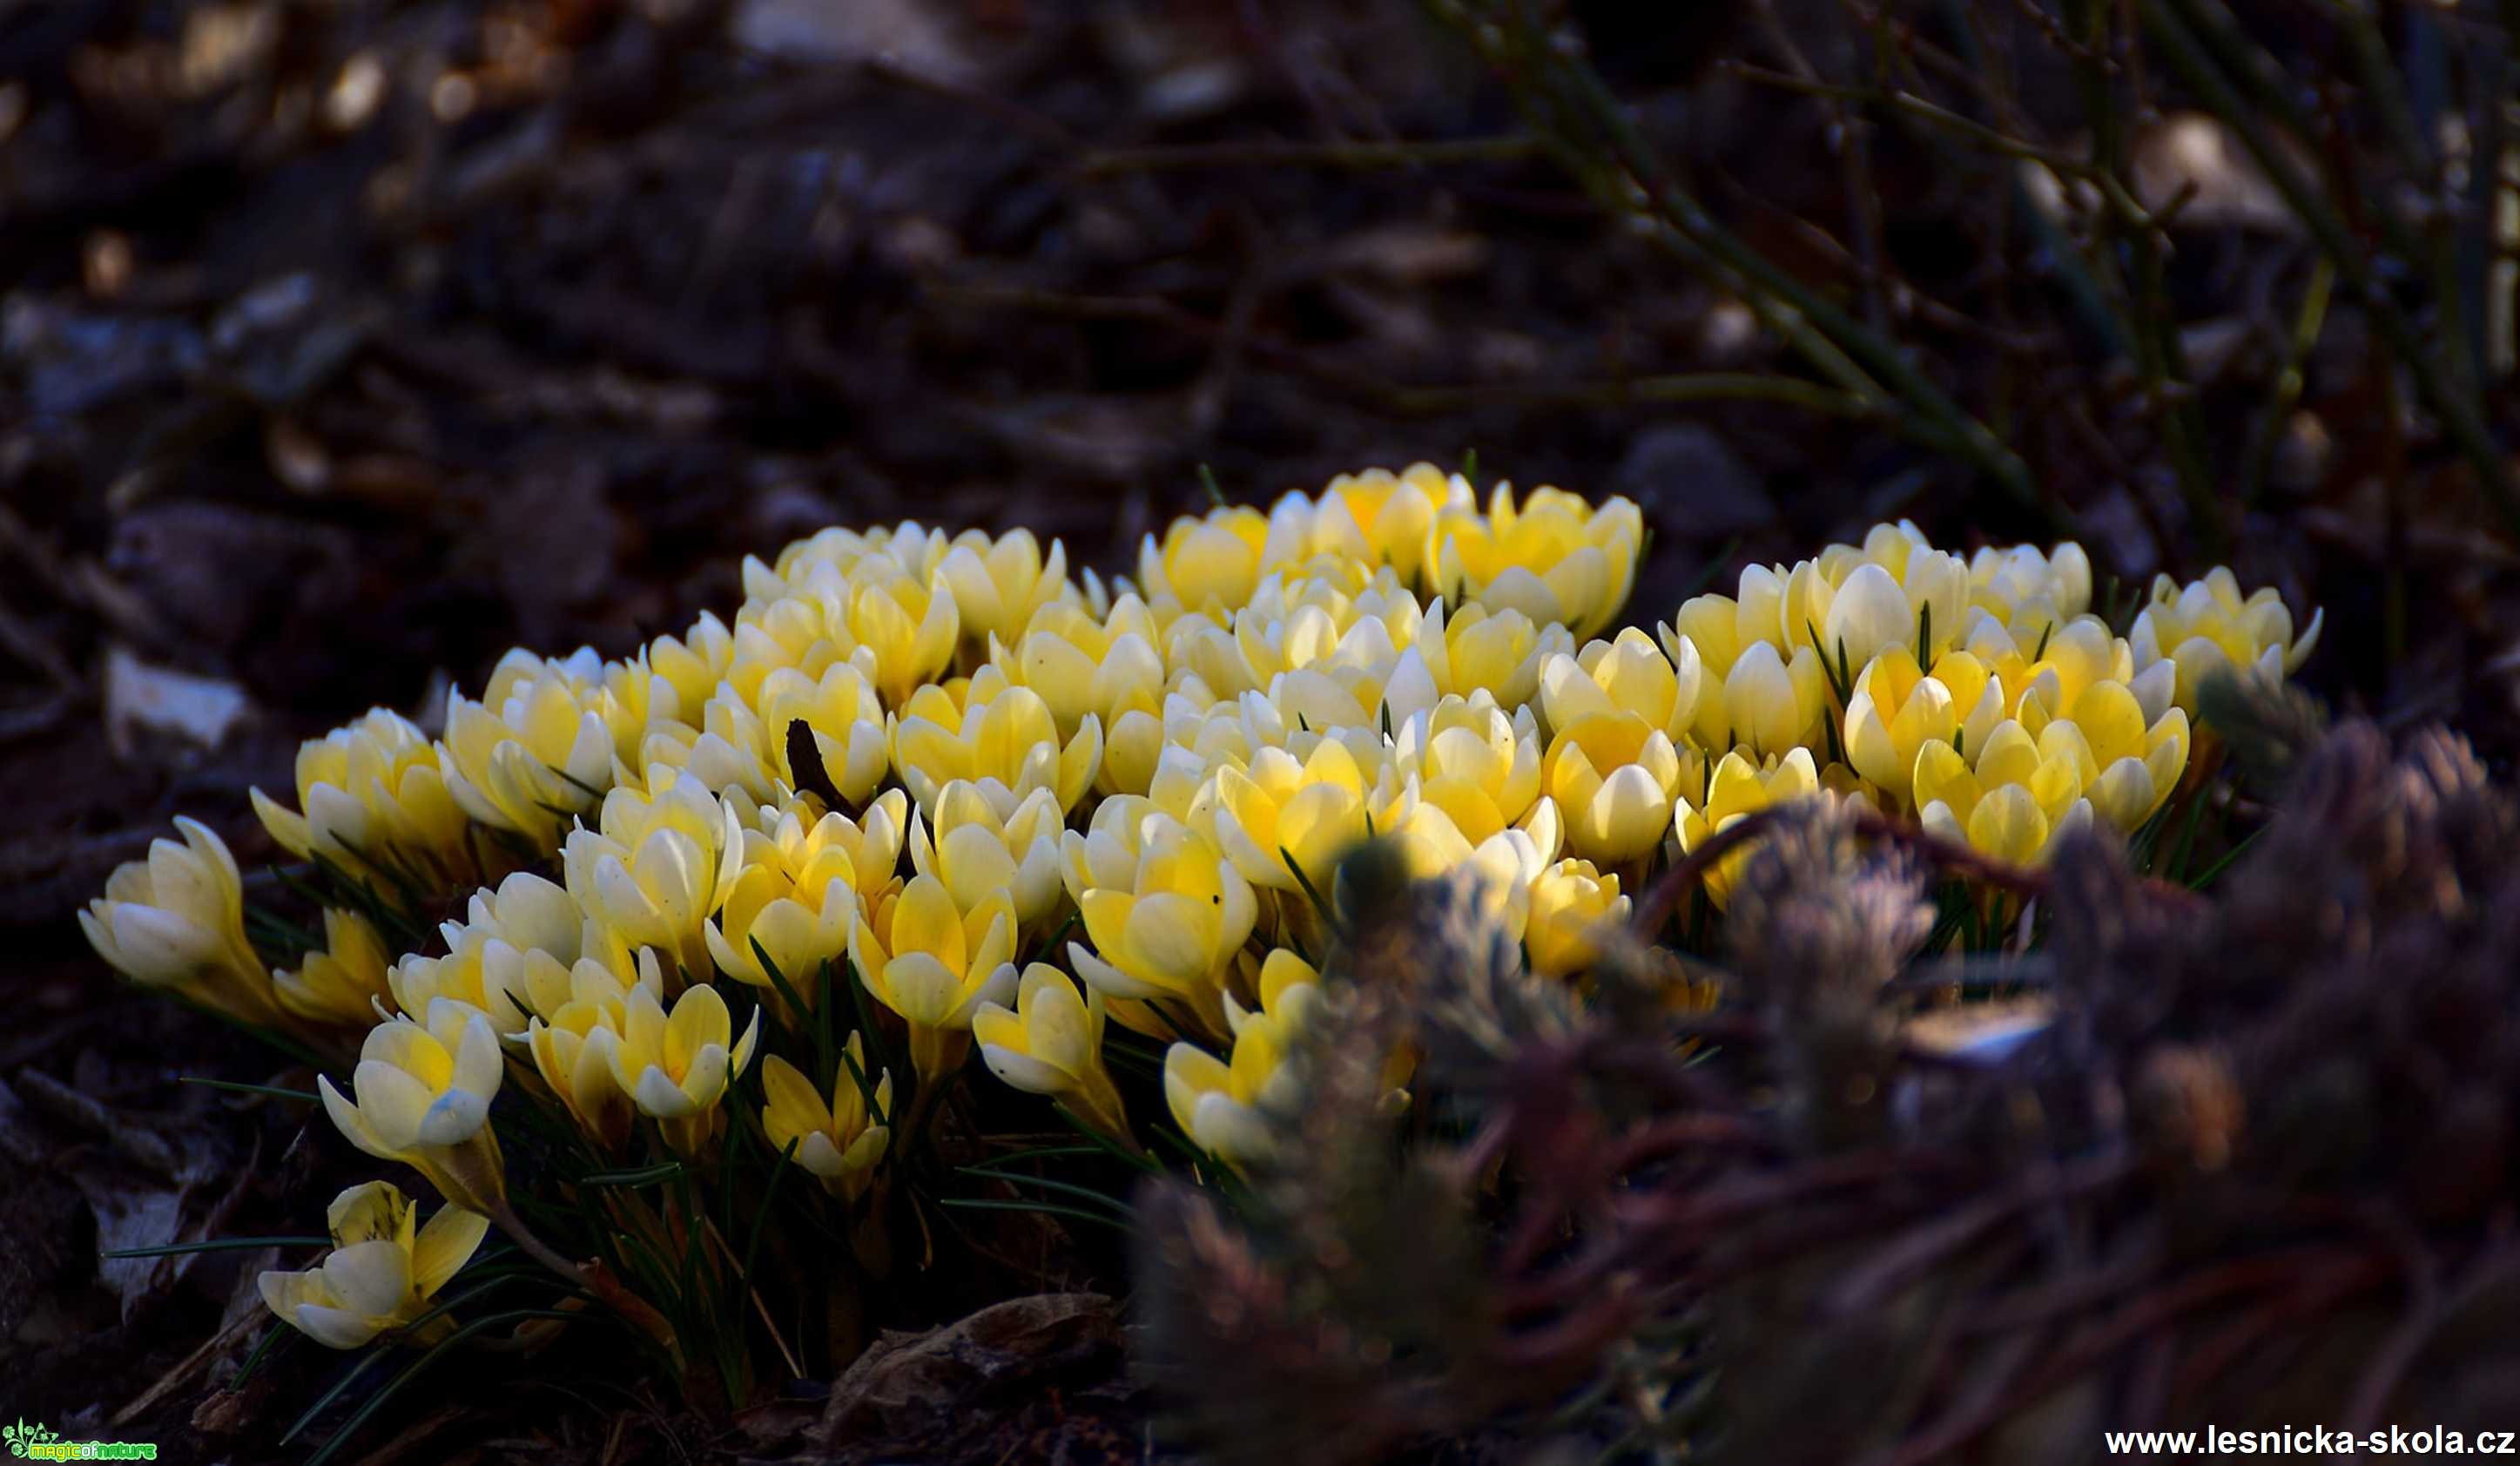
{"type": "Point", "coordinates": [1163, 907]}
{"type": "Point", "coordinates": [540, 744]}
{"type": "Point", "coordinates": [986, 840]}
{"type": "Point", "coordinates": [372, 790]}
{"type": "Point", "coordinates": [659, 867]}
{"type": "Point", "coordinates": [841, 1143]}
{"type": "Point", "coordinates": [1280, 808]}
{"type": "Point", "coordinates": [999, 584]}
{"type": "Point", "coordinates": [1613, 775]}
{"type": "Point", "coordinates": [1736, 788]}
{"type": "Point", "coordinates": [1474, 648]}
{"type": "Point", "coordinates": [1210, 563]}
{"type": "Point", "coordinates": [2207, 626]}
{"type": "Point", "coordinates": [2019, 583]}
{"type": "Point", "coordinates": [800, 887]}
{"type": "Point", "coordinates": [509, 958]}
{"type": "Point", "coordinates": [578, 1073]}
{"type": "Point", "coordinates": [383, 1272]}
{"type": "Point", "coordinates": [1107, 668]}
{"type": "Point", "coordinates": [1897, 706]}
{"type": "Point", "coordinates": [1708, 628]}
{"type": "Point", "coordinates": [908, 622]}
{"type": "Point", "coordinates": [847, 718]}
{"type": "Point", "coordinates": [691, 665]}
{"type": "Point", "coordinates": [1867, 612]}
{"type": "Point", "coordinates": [794, 630]}
{"type": "Point", "coordinates": [1380, 518]}
{"type": "Point", "coordinates": [1628, 674]}
{"type": "Point", "coordinates": [340, 982]}
{"type": "Point", "coordinates": [2127, 764]}
{"type": "Point", "coordinates": [176, 920]}
{"type": "Point", "coordinates": [1222, 1105]}
{"type": "Point", "coordinates": [676, 1067]}
{"type": "Point", "coordinates": [1770, 703]}
{"type": "Point", "coordinates": [424, 1088]}
{"type": "Point", "coordinates": [1478, 766]}
{"type": "Point", "coordinates": [1568, 904]}
{"type": "Point", "coordinates": [1050, 1043]}
{"type": "Point", "coordinates": [991, 733]}
{"type": "Point", "coordinates": [1554, 558]}
{"type": "Point", "coordinates": [2009, 799]}
{"type": "Point", "coordinates": [933, 962]}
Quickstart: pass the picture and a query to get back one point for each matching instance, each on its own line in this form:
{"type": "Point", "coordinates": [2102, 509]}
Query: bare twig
{"type": "Point", "coordinates": [1592, 136]}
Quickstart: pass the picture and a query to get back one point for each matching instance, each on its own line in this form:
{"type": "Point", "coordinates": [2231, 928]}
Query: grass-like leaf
{"type": "Point", "coordinates": [273, 1091]}
{"type": "Point", "coordinates": [214, 1245]}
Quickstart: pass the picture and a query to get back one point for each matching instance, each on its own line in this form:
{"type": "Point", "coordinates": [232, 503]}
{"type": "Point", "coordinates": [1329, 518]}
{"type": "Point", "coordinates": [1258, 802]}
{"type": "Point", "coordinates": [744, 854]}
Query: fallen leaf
{"type": "Point", "coordinates": [904, 1378]}
{"type": "Point", "coordinates": [140, 697]}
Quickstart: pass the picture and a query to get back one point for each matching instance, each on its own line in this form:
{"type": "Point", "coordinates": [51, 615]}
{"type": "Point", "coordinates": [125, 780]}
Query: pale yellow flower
{"type": "Point", "coordinates": [2208, 626]}
{"type": "Point", "coordinates": [989, 732]}
{"type": "Point", "coordinates": [341, 982]}
{"type": "Point", "coordinates": [509, 959]}
{"type": "Point", "coordinates": [2126, 763]}
{"type": "Point", "coordinates": [676, 1067]}
{"type": "Point", "coordinates": [796, 630]}
{"type": "Point", "coordinates": [1625, 675]}
{"type": "Point", "coordinates": [1613, 775]}
{"type": "Point", "coordinates": [1050, 1043]}
{"type": "Point", "coordinates": [424, 1088]}
{"type": "Point", "coordinates": [2019, 583]}
{"type": "Point", "coordinates": [659, 867]}
{"type": "Point", "coordinates": [1475, 762]}
{"type": "Point", "coordinates": [1896, 708]}
{"type": "Point", "coordinates": [540, 744]}
{"type": "Point", "coordinates": [383, 1272]}
{"type": "Point", "coordinates": [691, 665]}
{"type": "Point", "coordinates": [1474, 648]}
{"type": "Point", "coordinates": [1279, 809]}
{"type": "Point", "coordinates": [176, 920]}
{"type": "Point", "coordinates": [998, 585]}
{"type": "Point", "coordinates": [908, 622]}
{"type": "Point", "coordinates": [1554, 558]}
{"type": "Point", "coordinates": [1375, 517]}
{"type": "Point", "coordinates": [933, 962]}
{"type": "Point", "coordinates": [374, 799]}
{"type": "Point", "coordinates": [841, 1143]}
{"type": "Point", "coordinates": [800, 887]}
{"type": "Point", "coordinates": [839, 554]}
{"type": "Point", "coordinates": [847, 718]}
{"type": "Point", "coordinates": [2053, 666]}
{"type": "Point", "coordinates": [1085, 667]}
{"type": "Point", "coordinates": [1222, 1106]}
{"type": "Point", "coordinates": [1768, 704]}
{"type": "Point", "coordinates": [984, 839]}
{"type": "Point", "coordinates": [1738, 788]}
{"type": "Point", "coordinates": [1210, 563]}
{"type": "Point", "coordinates": [2012, 799]}
{"type": "Point", "coordinates": [580, 1074]}
{"type": "Point", "coordinates": [1568, 903]}
{"type": "Point", "coordinates": [1165, 910]}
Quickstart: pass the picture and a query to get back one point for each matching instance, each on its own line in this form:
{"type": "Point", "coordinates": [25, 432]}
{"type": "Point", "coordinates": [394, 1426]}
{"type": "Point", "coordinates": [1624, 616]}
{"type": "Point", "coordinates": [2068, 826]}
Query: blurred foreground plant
{"type": "Point", "coordinates": [2242, 1156]}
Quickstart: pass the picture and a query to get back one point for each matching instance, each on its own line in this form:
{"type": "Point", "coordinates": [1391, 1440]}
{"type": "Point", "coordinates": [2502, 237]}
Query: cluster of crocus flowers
{"type": "Point", "coordinates": [1024, 812]}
